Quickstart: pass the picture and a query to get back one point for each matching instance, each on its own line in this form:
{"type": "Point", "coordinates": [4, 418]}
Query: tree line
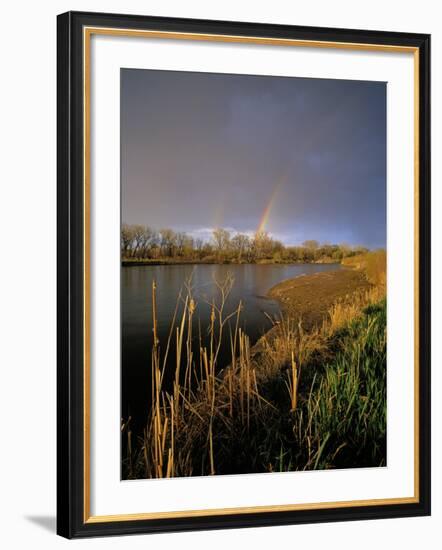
{"type": "Point", "coordinates": [141, 242]}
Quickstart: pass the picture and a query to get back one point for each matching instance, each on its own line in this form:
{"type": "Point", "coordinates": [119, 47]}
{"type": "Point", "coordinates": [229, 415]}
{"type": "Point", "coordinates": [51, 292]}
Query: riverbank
{"type": "Point", "coordinates": [309, 297]}
{"type": "Point", "coordinates": [206, 261]}
{"type": "Point", "coordinates": [298, 400]}
{"type": "Point", "coordinates": [306, 396]}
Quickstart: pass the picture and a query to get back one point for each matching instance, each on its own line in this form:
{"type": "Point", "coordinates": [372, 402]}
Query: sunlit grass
{"type": "Point", "coordinates": [373, 264]}
{"type": "Point", "coordinates": [297, 400]}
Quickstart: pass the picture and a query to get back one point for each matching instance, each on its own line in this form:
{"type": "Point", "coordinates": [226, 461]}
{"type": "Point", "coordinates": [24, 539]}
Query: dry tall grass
{"type": "Point", "coordinates": [221, 421]}
{"type": "Point", "coordinates": [373, 264]}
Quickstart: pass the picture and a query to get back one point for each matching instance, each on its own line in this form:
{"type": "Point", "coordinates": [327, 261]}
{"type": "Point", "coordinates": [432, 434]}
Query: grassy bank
{"type": "Point", "coordinates": [372, 264]}
{"type": "Point", "coordinates": [300, 400]}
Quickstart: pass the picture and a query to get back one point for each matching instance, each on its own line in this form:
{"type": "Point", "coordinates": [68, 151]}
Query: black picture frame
{"type": "Point", "coordinates": [71, 518]}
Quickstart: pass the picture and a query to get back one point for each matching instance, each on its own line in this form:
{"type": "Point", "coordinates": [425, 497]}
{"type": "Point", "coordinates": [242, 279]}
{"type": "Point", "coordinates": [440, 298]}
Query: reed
{"type": "Point", "coordinates": [292, 384]}
{"type": "Point", "coordinates": [258, 413]}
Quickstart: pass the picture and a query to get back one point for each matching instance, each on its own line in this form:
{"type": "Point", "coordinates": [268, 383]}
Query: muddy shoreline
{"type": "Point", "coordinates": [142, 263]}
{"type": "Point", "coordinates": [309, 297]}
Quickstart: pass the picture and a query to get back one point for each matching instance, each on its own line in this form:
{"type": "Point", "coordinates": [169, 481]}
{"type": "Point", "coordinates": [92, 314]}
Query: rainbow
{"type": "Point", "coordinates": [268, 208]}
{"type": "Point", "coordinates": [218, 215]}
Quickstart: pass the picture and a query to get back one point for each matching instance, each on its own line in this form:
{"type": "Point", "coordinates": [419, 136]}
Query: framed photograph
{"type": "Point", "coordinates": [243, 274]}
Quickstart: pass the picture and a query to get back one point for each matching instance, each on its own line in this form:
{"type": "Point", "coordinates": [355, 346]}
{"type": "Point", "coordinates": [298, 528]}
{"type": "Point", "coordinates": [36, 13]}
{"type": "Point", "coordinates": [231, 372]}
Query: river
{"type": "Point", "coordinates": [251, 283]}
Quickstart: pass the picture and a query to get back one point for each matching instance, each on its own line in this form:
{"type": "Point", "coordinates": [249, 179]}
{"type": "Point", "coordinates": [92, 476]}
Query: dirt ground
{"type": "Point", "coordinates": [309, 297]}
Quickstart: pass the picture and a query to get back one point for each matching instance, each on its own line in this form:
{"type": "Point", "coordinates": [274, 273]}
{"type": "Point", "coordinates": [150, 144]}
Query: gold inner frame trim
{"type": "Point", "coordinates": [87, 33]}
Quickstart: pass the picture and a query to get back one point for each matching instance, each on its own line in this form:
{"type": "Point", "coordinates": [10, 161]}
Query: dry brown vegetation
{"type": "Point", "coordinates": [373, 264]}
{"type": "Point", "coordinates": [297, 400]}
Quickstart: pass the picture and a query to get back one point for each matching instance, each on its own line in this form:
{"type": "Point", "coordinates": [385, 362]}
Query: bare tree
{"type": "Point", "coordinates": [240, 245]}
{"type": "Point", "coordinates": [142, 241]}
{"type": "Point", "coordinates": [127, 238]}
{"type": "Point", "coordinates": [180, 240]}
{"type": "Point", "coordinates": [168, 242]}
{"type": "Point", "coordinates": [199, 246]}
{"type": "Point", "coordinates": [221, 238]}
{"type": "Point", "coordinates": [147, 238]}
{"type": "Point", "coordinates": [311, 244]}
{"type": "Point", "coordinates": [262, 244]}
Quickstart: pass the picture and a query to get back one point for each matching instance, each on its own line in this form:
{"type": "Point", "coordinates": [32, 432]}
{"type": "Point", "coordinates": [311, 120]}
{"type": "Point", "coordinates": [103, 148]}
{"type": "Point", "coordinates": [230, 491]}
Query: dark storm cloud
{"type": "Point", "coordinates": [202, 150]}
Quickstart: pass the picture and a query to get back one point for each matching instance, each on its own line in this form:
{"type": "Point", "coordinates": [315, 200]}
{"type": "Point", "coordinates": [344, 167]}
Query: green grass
{"type": "Point", "coordinates": [247, 419]}
{"type": "Point", "coordinates": [348, 403]}
{"type": "Point", "coordinates": [340, 421]}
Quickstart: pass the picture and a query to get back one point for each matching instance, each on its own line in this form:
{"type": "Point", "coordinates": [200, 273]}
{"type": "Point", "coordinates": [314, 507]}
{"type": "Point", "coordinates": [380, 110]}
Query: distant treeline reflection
{"type": "Point", "coordinates": [141, 242]}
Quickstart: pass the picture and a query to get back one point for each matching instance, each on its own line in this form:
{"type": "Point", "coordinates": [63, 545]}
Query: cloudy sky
{"type": "Point", "coordinates": [299, 158]}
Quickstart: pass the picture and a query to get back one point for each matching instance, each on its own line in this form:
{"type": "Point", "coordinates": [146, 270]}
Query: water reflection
{"type": "Point", "coordinates": [251, 283]}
